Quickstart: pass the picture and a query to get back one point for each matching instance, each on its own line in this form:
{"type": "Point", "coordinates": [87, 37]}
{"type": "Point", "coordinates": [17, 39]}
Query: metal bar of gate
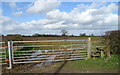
{"type": "Point", "coordinates": [42, 53]}
{"type": "Point", "coordinates": [48, 60]}
{"type": "Point", "coordinates": [12, 50]}
{"type": "Point", "coordinates": [51, 50]}
{"type": "Point", "coordinates": [10, 55]}
{"type": "Point", "coordinates": [50, 45]}
{"type": "Point", "coordinates": [51, 41]}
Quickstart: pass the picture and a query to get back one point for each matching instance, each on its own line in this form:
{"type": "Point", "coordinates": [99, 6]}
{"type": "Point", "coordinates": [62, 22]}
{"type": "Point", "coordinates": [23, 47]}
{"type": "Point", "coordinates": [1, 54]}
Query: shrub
{"type": "Point", "coordinates": [111, 39]}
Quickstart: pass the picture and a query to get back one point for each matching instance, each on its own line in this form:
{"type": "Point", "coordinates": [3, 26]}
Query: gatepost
{"type": "Point", "coordinates": [89, 48]}
{"type": "Point", "coordinates": [10, 55]}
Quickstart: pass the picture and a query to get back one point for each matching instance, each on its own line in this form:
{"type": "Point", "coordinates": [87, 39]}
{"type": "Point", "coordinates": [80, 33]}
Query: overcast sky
{"type": "Point", "coordinates": [52, 17]}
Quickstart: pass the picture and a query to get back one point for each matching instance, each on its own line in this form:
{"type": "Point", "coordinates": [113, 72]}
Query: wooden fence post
{"type": "Point", "coordinates": [102, 53]}
{"type": "Point", "coordinates": [89, 48]}
{"type": "Point", "coordinates": [108, 48]}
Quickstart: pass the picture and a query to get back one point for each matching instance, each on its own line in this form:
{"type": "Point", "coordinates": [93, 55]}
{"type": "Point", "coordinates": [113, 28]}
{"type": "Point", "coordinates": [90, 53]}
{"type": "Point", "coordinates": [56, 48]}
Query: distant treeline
{"type": "Point", "coordinates": [47, 35]}
{"type": "Point", "coordinates": [19, 37]}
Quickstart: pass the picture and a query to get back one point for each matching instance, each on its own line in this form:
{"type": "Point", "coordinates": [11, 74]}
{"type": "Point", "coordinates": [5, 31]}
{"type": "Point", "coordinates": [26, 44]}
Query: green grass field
{"type": "Point", "coordinates": [97, 65]}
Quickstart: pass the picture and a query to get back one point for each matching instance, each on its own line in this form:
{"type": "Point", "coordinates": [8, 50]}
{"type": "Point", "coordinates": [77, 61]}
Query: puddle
{"type": "Point", "coordinates": [46, 63]}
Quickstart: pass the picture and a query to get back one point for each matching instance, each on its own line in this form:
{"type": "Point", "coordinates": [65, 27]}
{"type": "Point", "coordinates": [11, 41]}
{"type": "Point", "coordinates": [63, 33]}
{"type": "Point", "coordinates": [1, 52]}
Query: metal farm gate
{"type": "Point", "coordinates": [47, 51]}
{"type": "Point", "coordinates": [3, 55]}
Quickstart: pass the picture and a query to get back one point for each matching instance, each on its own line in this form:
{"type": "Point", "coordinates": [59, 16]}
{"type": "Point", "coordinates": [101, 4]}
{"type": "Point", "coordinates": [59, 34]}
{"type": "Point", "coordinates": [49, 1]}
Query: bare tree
{"type": "Point", "coordinates": [64, 32]}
